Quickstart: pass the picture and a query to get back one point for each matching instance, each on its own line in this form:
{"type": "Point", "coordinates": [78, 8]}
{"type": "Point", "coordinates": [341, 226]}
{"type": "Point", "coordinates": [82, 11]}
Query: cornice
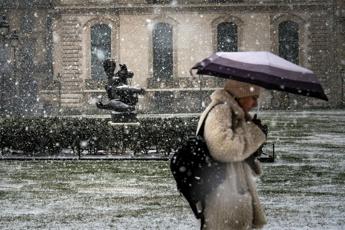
{"type": "Point", "coordinates": [204, 8]}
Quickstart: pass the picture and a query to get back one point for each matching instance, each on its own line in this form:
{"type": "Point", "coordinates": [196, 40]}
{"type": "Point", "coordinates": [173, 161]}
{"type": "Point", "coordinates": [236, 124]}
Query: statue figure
{"type": "Point", "coordinates": [122, 97]}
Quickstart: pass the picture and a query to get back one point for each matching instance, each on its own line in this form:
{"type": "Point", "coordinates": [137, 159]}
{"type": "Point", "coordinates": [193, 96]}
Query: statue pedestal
{"type": "Point", "coordinates": [118, 117]}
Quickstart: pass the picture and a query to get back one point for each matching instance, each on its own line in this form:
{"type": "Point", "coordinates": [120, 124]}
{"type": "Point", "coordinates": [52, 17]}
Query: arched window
{"type": "Point", "coordinates": [100, 49]}
{"type": "Point", "coordinates": [162, 39]}
{"type": "Point", "coordinates": [288, 41]}
{"type": "Point", "coordinates": [227, 37]}
{"type": "Point", "coordinates": [27, 22]}
{"type": "Point", "coordinates": [26, 89]}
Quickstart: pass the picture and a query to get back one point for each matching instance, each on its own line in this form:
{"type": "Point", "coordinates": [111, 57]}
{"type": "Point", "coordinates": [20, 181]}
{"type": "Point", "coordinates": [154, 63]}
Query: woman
{"type": "Point", "coordinates": [233, 138]}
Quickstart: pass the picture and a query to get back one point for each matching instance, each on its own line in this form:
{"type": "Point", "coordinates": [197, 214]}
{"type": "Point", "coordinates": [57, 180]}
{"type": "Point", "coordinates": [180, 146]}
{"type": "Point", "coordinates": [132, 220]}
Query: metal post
{"type": "Point", "coordinates": [200, 91]}
{"type": "Point", "coordinates": [16, 84]}
{"type": "Point", "coordinates": [342, 89]}
{"type": "Point", "coordinates": [59, 89]}
{"type": "Point", "coordinates": [2, 102]}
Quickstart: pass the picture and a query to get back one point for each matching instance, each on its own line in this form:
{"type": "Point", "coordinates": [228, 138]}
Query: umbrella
{"type": "Point", "coordinates": [263, 69]}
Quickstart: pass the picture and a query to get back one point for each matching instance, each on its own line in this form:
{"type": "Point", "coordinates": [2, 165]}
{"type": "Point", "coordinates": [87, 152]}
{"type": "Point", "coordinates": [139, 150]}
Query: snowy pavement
{"type": "Point", "coordinates": [303, 189]}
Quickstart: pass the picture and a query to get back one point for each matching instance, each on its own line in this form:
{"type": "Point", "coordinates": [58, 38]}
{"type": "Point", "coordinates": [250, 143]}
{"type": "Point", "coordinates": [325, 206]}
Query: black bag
{"type": "Point", "coordinates": [195, 172]}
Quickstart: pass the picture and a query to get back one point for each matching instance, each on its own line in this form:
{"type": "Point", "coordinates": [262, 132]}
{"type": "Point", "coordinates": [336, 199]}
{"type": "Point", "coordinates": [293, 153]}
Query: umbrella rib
{"type": "Point", "coordinates": [264, 71]}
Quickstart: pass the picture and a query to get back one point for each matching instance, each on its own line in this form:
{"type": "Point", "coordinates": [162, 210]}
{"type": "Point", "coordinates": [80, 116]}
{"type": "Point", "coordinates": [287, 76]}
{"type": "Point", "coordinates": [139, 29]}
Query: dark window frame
{"type": "Point", "coordinates": [227, 31]}
{"type": "Point", "coordinates": [102, 43]}
{"type": "Point", "coordinates": [27, 22]}
{"type": "Point", "coordinates": [162, 50]}
{"type": "Point", "coordinates": [288, 41]}
{"type": "Point", "coordinates": [159, 2]}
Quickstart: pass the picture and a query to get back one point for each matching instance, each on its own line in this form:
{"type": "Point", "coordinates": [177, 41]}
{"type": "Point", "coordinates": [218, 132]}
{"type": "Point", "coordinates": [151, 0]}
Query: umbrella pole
{"type": "Point", "coordinates": [200, 87]}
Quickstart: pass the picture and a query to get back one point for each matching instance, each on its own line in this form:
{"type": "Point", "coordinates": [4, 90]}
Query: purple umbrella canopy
{"type": "Point", "coordinates": [263, 69]}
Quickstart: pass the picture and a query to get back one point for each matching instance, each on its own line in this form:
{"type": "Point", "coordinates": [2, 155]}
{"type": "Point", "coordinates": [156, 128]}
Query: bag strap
{"type": "Point", "coordinates": [201, 123]}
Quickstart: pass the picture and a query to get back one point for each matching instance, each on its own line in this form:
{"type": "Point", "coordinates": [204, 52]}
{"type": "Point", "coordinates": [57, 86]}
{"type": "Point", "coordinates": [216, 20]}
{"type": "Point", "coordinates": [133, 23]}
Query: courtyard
{"type": "Point", "coordinates": [302, 189]}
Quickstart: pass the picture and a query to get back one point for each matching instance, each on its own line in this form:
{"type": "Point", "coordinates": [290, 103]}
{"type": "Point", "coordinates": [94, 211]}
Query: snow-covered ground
{"type": "Point", "coordinates": [303, 189]}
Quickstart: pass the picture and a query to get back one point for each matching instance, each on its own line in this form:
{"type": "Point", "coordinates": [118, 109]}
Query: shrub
{"type": "Point", "coordinates": [50, 135]}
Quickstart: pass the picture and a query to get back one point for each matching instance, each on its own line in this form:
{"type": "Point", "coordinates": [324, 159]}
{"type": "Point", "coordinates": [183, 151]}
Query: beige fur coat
{"type": "Point", "coordinates": [232, 139]}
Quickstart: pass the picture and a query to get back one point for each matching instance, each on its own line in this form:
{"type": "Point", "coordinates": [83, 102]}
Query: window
{"type": "Point", "coordinates": [26, 85]}
{"type": "Point", "coordinates": [162, 39]}
{"type": "Point", "coordinates": [227, 37]}
{"type": "Point", "coordinates": [100, 49]}
{"type": "Point", "coordinates": [158, 1]}
{"type": "Point", "coordinates": [26, 56]}
{"type": "Point", "coordinates": [27, 23]}
{"type": "Point", "coordinates": [342, 25]}
{"type": "Point", "coordinates": [288, 41]}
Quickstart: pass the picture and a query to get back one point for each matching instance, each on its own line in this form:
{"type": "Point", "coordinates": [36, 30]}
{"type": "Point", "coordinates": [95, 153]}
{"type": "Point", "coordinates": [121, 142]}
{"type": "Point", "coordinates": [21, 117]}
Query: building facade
{"type": "Point", "coordinates": [160, 40]}
{"type": "Point", "coordinates": [27, 67]}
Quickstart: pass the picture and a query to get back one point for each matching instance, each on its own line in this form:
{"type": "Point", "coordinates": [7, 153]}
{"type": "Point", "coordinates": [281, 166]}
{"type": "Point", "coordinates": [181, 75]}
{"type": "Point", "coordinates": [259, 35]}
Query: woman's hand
{"type": "Point", "coordinates": [257, 121]}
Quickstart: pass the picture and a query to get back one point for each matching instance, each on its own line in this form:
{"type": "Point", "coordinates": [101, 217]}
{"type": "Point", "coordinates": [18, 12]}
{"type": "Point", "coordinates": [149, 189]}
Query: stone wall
{"type": "Point", "coordinates": [322, 44]}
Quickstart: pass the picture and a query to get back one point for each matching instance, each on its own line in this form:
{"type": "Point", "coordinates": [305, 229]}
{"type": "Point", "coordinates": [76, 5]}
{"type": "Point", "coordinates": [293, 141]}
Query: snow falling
{"type": "Point", "coordinates": [65, 163]}
{"type": "Point", "coordinates": [303, 188]}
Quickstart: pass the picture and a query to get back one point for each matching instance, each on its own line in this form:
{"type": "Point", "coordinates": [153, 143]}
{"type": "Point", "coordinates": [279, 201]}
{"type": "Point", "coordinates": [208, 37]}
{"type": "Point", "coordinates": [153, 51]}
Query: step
{"type": "Point", "coordinates": [69, 88]}
{"type": "Point", "coordinates": [70, 100]}
{"type": "Point", "coordinates": [71, 105]}
{"type": "Point", "coordinates": [71, 83]}
{"type": "Point", "coordinates": [71, 79]}
{"type": "Point", "coordinates": [71, 96]}
{"type": "Point", "coordinates": [69, 75]}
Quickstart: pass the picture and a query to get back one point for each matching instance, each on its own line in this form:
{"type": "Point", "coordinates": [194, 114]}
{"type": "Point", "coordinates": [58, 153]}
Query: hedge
{"type": "Point", "coordinates": [47, 136]}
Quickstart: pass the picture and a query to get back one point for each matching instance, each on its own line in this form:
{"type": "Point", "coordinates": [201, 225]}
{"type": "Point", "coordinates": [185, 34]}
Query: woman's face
{"type": "Point", "coordinates": [247, 103]}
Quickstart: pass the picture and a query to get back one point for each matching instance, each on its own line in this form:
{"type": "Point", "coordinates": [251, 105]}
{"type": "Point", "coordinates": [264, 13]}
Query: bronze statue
{"type": "Point", "coordinates": [122, 97]}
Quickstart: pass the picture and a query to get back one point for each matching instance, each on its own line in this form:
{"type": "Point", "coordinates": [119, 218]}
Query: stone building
{"type": "Point", "coordinates": [27, 67]}
{"type": "Point", "coordinates": [160, 40]}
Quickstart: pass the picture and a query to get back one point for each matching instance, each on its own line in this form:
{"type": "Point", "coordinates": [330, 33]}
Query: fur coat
{"type": "Point", "coordinates": [231, 137]}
